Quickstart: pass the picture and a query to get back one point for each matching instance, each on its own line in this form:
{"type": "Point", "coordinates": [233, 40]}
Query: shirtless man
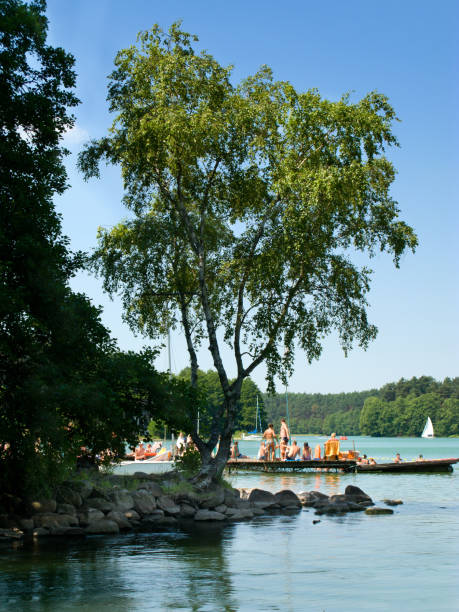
{"type": "Point", "coordinates": [284, 432]}
{"type": "Point", "coordinates": [293, 452]}
{"type": "Point", "coordinates": [270, 436]}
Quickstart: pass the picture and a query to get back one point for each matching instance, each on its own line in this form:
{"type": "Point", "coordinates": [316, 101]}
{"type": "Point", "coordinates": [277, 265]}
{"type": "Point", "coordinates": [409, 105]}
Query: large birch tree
{"type": "Point", "coordinates": [249, 206]}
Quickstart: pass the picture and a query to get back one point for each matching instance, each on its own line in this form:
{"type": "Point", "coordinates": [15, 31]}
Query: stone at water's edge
{"type": "Point", "coordinates": [376, 510]}
{"type": "Point", "coordinates": [167, 504]}
{"type": "Point", "coordinates": [287, 498]}
{"type": "Point", "coordinates": [392, 502]}
{"type": "Point", "coordinates": [144, 502]}
{"type": "Point", "coordinates": [356, 494]}
{"type": "Point", "coordinates": [103, 526]}
{"type": "Point", "coordinates": [261, 498]}
{"type": "Point", "coordinates": [209, 515]}
{"type": "Point", "coordinates": [44, 505]}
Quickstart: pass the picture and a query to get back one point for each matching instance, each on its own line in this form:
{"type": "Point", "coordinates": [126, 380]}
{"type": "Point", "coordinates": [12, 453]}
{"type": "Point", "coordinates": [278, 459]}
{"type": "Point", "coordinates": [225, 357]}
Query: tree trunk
{"type": "Point", "coordinates": [212, 467]}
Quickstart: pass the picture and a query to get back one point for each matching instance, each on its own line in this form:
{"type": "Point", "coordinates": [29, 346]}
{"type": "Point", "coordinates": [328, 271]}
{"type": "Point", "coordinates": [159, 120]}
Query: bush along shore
{"type": "Point", "coordinates": [113, 504]}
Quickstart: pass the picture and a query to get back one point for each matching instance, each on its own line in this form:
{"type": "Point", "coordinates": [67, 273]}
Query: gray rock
{"type": "Point", "coordinates": [154, 518]}
{"type": "Point", "coordinates": [392, 502]}
{"type": "Point", "coordinates": [221, 508]}
{"type": "Point", "coordinates": [152, 487]}
{"type": "Point", "coordinates": [100, 504]}
{"type": "Point", "coordinates": [89, 515]}
{"type": "Point", "coordinates": [144, 502]}
{"type": "Point", "coordinates": [287, 498]}
{"type": "Point", "coordinates": [50, 520]}
{"type": "Point", "coordinates": [66, 509]}
{"type": "Point", "coordinates": [141, 475]}
{"type": "Point", "coordinates": [358, 496]}
{"type": "Point", "coordinates": [132, 515]}
{"type": "Point", "coordinates": [68, 495]}
{"type": "Point", "coordinates": [293, 509]}
{"type": "Point", "coordinates": [167, 521]}
{"type": "Point", "coordinates": [230, 497]}
{"type": "Point", "coordinates": [166, 503]}
{"type": "Point", "coordinates": [40, 532]}
{"type": "Point", "coordinates": [375, 510]}
{"type": "Point", "coordinates": [187, 511]}
{"type": "Point", "coordinates": [262, 499]}
{"type": "Point", "coordinates": [209, 515]}
{"type": "Point", "coordinates": [44, 505]}
{"type": "Point", "coordinates": [311, 498]}
{"type": "Point", "coordinates": [83, 487]}
{"type": "Point", "coordinates": [103, 526]}
{"type": "Point", "coordinates": [233, 514]}
{"type": "Point", "coordinates": [67, 532]}
{"type": "Point", "coordinates": [119, 519]}
{"type": "Point", "coordinates": [122, 500]}
{"type": "Point", "coordinates": [212, 498]}
{"type": "Point", "coordinates": [257, 511]}
{"type": "Point", "coordinates": [100, 492]}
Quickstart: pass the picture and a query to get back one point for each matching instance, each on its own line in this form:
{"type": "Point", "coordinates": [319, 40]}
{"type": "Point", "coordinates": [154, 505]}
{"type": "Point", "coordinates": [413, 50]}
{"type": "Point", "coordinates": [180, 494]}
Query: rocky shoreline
{"type": "Point", "coordinates": [142, 502]}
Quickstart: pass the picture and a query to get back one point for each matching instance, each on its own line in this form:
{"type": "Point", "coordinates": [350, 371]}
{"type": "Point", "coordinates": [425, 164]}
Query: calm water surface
{"type": "Point", "coordinates": [407, 561]}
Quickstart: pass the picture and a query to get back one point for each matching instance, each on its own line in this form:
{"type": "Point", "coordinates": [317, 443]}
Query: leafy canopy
{"type": "Point", "coordinates": [249, 202]}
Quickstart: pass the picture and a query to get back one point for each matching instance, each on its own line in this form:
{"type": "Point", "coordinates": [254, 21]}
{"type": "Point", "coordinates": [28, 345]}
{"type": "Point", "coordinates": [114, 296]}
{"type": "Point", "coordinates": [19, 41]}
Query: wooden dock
{"type": "Point", "coordinates": [348, 465]}
{"type": "Point", "coordinates": [290, 466]}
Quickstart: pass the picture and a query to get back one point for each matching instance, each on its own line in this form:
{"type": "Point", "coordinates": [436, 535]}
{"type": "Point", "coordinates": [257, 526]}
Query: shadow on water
{"type": "Point", "coordinates": [185, 569]}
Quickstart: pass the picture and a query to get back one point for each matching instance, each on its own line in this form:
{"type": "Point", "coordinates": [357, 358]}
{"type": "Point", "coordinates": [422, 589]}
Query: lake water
{"type": "Point", "coordinates": [406, 561]}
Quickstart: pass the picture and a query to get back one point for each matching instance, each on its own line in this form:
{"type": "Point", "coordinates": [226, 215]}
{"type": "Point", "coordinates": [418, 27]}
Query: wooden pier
{"type": "Point", "coordinates": [348, 465]}
{"type": "Point", "coordinates": [290, 466]}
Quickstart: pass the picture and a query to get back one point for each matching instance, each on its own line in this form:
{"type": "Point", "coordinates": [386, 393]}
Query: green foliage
{"type": "Point", "coordinates": [63, 382]}
{"type": "Point", "coordinates": [371, 413]}
{"type": "Point", "coordinates": [189, 463]}
{"type": "Point", "coordinates": [248, 202]}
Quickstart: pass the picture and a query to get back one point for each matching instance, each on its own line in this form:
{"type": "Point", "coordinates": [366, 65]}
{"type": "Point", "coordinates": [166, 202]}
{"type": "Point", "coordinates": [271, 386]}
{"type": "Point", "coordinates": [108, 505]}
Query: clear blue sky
{"type": "Point", "coordinates": [407, 50]}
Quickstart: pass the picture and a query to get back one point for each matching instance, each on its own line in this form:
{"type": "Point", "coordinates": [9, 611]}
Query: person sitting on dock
{"type": "Point", "coordinates": [371, 461]}
{"type": "Point", "coordinates": [270, 436]}
{"type": "Point", "coordinates": [363, 460]}
{"type": "Point", "coordinates": [398, 459]}
{"type": "Point", "coordinates": [293, 452]}
{"type": "Point", "coordinates": [262, 451]}
{"type": "Point", "coordinates": [306, 452]}
{"type": "Point", "coordinates": [317, 452]}
{"type": "Point", "coordinates": [420, 458]}
{"type": "Point", "coordinates": [140, 452]}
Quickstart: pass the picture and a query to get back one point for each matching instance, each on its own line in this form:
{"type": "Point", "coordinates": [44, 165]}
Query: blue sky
{"type": "Point", "coordinates": [407, 50]}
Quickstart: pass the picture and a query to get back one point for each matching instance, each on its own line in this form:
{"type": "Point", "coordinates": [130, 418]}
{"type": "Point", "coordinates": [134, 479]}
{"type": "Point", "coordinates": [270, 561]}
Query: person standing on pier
{"type": "Point", "coordinates": [284, 432]}
{"type": "Point", "coordinates": [270, 437]}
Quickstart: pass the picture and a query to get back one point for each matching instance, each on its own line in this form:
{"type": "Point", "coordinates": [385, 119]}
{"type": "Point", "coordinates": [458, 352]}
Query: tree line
{"type": "Point", "coordinates": [396, 409]}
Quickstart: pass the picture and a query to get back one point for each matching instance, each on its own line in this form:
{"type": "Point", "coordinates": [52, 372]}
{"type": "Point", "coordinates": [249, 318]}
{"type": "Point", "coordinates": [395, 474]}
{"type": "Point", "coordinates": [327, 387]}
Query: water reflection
{"type": "Point", "coordinates": [187, 569]}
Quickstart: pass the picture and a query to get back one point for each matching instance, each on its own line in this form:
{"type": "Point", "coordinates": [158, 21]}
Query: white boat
{"type": "Point", "coordinates": [256, 434]}
{"type": "Point", "coordinates": [147, 466]}
{"type": "Point", "coordinates": [428, 429]}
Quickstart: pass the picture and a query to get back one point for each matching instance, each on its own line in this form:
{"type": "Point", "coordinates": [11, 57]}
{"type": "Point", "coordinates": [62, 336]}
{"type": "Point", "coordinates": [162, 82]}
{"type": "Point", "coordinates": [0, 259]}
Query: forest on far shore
{"type": "Point", "coordinates": [397, 409]}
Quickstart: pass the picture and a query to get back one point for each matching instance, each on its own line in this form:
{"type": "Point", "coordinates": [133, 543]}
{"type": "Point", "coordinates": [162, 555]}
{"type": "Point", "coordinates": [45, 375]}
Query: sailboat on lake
{"type": "Point", "coordinates": [257, 433]}
{"type": "Point", "coordinates": [428, 429]}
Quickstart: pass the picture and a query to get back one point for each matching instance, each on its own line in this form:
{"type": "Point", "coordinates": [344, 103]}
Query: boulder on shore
{"type": "Point", "coordinates": [376, 510]}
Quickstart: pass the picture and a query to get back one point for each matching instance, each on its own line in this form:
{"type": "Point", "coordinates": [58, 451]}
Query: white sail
{"type": "Point", "coordinates": [428, 429]}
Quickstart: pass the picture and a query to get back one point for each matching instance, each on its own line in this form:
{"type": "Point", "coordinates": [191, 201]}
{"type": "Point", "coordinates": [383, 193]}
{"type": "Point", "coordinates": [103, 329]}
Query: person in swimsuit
{"type": "Point", "coordinates": [284, 432]}
{"type": "Point", "coordinates": [293, 452]}
{"type": "Point", "coordinates": [398, 459]}
{"type": "Point", "coordinates": [262, 452]}
{"type": "Point", "coordinates": [270, 436]}
{"type": "Point", "coordinates": [306, 452]}
{"type": "Point", "coordinates": [283, 448]}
